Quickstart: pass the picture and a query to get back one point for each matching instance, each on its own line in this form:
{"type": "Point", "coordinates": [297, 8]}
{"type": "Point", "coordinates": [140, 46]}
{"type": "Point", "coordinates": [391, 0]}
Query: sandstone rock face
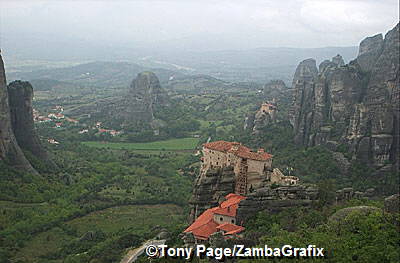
{"type": "Point", "coordinates": [338, 60]}
{"type": "Point", "coordinates": [276, 200]}
{"type": "Point", "coordinates": [9, 149]}
{"type": "Point", "coordinates": [209, 190]}
{"type": "Point", "coordinates": [303, 99]}
{"type": "Point", "coordinates": [355, 104]}
{"type": "Point", "coordinates": [145, 95]}
{"type": "Point", "coordinates": [20, 95]}
{"type": "Point", "coordinates": [369, 50]}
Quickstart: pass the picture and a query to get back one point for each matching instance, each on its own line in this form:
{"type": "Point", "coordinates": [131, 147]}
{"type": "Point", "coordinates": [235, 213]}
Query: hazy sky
{"type": "Point", "coordinates": [195, 24]}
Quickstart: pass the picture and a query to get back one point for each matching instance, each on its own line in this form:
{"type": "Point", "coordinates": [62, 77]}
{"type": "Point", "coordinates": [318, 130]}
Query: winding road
{"type": "Point", "coordinates": [133, 254]}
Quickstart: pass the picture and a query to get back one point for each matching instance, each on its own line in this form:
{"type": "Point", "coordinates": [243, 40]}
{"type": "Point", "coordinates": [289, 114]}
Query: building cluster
{"type": "Point", "coordinates": [52, 141]}
{"type": "Point", "coordinates": [268, 107]}
{"type": "Point", "coordinates": [111, 132]}
{"type": "Point", "coordinates": [60, 119]}
{"type": "Point", "coordinates": [218, 219]}
{"type": "Point", "coordinates": [252, 169]}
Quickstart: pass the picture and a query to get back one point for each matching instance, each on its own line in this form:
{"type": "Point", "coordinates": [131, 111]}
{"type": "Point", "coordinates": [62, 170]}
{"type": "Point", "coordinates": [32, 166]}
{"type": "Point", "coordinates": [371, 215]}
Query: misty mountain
{"type": "Point", "coordinates": [99, 74]}
{"type": "Point", "coordinates": [260, 65]}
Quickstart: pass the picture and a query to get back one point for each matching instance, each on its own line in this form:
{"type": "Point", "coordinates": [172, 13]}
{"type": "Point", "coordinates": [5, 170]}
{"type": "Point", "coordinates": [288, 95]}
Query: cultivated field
{"type": "Point", "coordinates": [167, 145]}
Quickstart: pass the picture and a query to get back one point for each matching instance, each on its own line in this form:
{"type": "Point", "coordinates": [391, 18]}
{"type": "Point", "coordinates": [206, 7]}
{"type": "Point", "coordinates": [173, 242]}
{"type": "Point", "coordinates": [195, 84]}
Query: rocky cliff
{"type": "Point", "coordinates": [208, 190]}
{"type": "Point", "coordinates": [276, 200]}
{"type": "Point", "coordinates": [20, 95]}
{"type": "Point", "coordinates": [145, 96]}
{"type": "Point", "coordinates": [354, 105]}
{"type": "Point", "coordinates": [10, 151]}
{"type": "Point", "coordinates": [275, 92]}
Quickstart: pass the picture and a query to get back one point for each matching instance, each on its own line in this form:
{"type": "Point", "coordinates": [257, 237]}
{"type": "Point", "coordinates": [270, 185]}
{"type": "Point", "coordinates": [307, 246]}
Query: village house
{"type": "Point", "coordinates": [252, 169]}
{"type": "Point", "coordinates": [111, 132]}
{"type": "Point", "coordinates": [218, 219]}
{"type": "Point", "coordinates": [57, 116]}
{"type": "Point", "coordinates": [58, 108]}
{"type": "Point", "coordinates": [52, 141]}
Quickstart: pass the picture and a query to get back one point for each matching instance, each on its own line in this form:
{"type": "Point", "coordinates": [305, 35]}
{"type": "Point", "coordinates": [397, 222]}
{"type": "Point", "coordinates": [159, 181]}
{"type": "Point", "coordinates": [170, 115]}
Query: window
{"type": "Point", "coordinates": [221, 219]}
{"type": "Point", "coordinates": [233, 221]}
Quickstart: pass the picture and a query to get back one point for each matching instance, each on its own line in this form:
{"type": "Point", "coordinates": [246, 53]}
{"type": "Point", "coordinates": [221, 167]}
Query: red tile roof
{"type": "Point", "coordinates": [241, 151]}
{"type": "Point", "coordinates": [230, 228]}
{"type": "Point", "coordinates": [221, 146]}
{"type": "Point", "coordinates": [229, 206]}
{"type": "Point", "coordinates": [235, 231]}
{"type": "Point", "coordinates": [205, 225]}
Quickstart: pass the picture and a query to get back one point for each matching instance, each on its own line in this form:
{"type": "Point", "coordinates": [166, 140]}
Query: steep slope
{"type": "Point", "coordinates": [20, 94]}
{"type": "Point", "coordinates": [355, 106]}
{"type": "Point", "coordinates": [9, 149]}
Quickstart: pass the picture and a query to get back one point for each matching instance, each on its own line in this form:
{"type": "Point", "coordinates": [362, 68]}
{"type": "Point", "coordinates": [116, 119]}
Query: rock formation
{"type": "Point", "coordinates": [263, 117]}
{"type": "Point", "coordinates": [145, 96]}
{"type": "Point", "coordinates": [10, 152]}
{"type": "Point", "coordinates": [209, 190]}
{"type": "Point", "coordinates": [275, 89]}
{"type": "Point", "coordinates": [276, 200]}
{"type": "Point", "coordinates": [355, 104]}
{"type": "Point", "coordinates": [392, 203]}
{"type": "Point", "coordinates": [20, 94]}
{"type": "Point", "coordinates": [273, 93]}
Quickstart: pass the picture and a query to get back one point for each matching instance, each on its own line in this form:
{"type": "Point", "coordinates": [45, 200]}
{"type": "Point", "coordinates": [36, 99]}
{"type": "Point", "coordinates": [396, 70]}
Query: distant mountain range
{"type": "Point", "coordinates": [256, 65]}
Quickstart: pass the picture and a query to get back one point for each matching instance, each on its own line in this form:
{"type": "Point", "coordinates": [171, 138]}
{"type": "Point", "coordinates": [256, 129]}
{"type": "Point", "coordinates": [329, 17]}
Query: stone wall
{"type": "Point", "coordinates": [225, 219]}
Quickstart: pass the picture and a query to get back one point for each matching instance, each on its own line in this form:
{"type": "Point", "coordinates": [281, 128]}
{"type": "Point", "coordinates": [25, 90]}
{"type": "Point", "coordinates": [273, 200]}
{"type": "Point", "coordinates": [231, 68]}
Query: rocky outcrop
{"type": "Point", "coordinates": [145, 96]}
{"type": "Point", "coordinates": [274, 92]}
{"type": "Point", "coordinates": [277, 199]}
{"type": "Point", "coordinates": [349, 193]}
{"type": "Point", "coordinates": [369, 50]}
{"type": "Point", "coordinates": [303, 98]}
{"type": "Point", "coordinates": [260, 119]}
{"type": "Point", "coordinates": [210, 189]}
{"type": "Point", "coordinates": [275, 89]}
{"type": "Point", "coordinates": [20, 95]}
{"type": "Point", "coordinates": [10, 151]}
{"type": "Point", "coordinates": [392, 204]}
{"type": "Point", "coordinates": [355, 104]}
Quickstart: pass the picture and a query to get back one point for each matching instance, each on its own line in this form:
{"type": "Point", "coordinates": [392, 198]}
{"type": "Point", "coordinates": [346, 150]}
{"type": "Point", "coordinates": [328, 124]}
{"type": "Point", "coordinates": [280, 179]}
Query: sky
{"type": "Point", "coordinates": [196, 24]}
